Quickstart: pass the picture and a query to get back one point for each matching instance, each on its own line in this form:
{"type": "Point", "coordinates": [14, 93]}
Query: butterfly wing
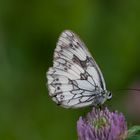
{"type": "Point", "coordinates": [75, 79]}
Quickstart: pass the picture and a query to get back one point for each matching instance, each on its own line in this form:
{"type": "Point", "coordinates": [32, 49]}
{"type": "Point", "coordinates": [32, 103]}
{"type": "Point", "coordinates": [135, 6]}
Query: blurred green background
{"type": "Point", "coordinates": [28, 34]}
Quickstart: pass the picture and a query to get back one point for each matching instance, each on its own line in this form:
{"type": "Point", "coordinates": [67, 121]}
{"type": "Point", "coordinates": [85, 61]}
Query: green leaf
{"type": "Point", "coordinates": [133, 130]}
{"type": "Point", "coordinates": [136, 137]}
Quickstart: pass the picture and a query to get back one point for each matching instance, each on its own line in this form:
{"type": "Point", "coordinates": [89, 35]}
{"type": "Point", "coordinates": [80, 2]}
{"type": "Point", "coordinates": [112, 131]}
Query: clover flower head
{"type": "Point", "coordinates": [102, 125]}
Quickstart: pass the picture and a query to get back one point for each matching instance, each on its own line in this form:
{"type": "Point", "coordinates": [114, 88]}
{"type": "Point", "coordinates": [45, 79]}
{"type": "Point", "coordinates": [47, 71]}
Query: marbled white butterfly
{"type": "Point", "coordinates": [75, 79]}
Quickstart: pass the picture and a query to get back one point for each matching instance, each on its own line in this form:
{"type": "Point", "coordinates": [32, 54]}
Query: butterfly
{"type": "Point", "coordinates": [75, 80]}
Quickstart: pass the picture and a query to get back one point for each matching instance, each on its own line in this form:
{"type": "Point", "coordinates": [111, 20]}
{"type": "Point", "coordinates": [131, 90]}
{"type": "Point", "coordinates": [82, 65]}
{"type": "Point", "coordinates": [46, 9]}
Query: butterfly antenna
{"type": "Point", "coordinates": [131, 89]}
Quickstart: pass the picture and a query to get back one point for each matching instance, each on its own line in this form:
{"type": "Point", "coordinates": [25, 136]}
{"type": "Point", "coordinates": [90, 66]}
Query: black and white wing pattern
{"type": "Point", "coordinates": [75, 79]}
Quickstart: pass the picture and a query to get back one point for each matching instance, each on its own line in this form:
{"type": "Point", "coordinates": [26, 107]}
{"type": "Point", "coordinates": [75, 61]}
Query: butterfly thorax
{"type": "Point", "coordinates": [101, 97]}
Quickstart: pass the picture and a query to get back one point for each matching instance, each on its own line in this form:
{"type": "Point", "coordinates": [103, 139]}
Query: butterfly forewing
{"type": "Point", "coordinates": [75, 79]}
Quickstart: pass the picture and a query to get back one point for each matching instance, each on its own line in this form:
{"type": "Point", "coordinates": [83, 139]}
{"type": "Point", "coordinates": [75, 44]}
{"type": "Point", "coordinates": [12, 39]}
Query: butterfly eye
{"type": "Point", "coordinates": [109, 95]}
